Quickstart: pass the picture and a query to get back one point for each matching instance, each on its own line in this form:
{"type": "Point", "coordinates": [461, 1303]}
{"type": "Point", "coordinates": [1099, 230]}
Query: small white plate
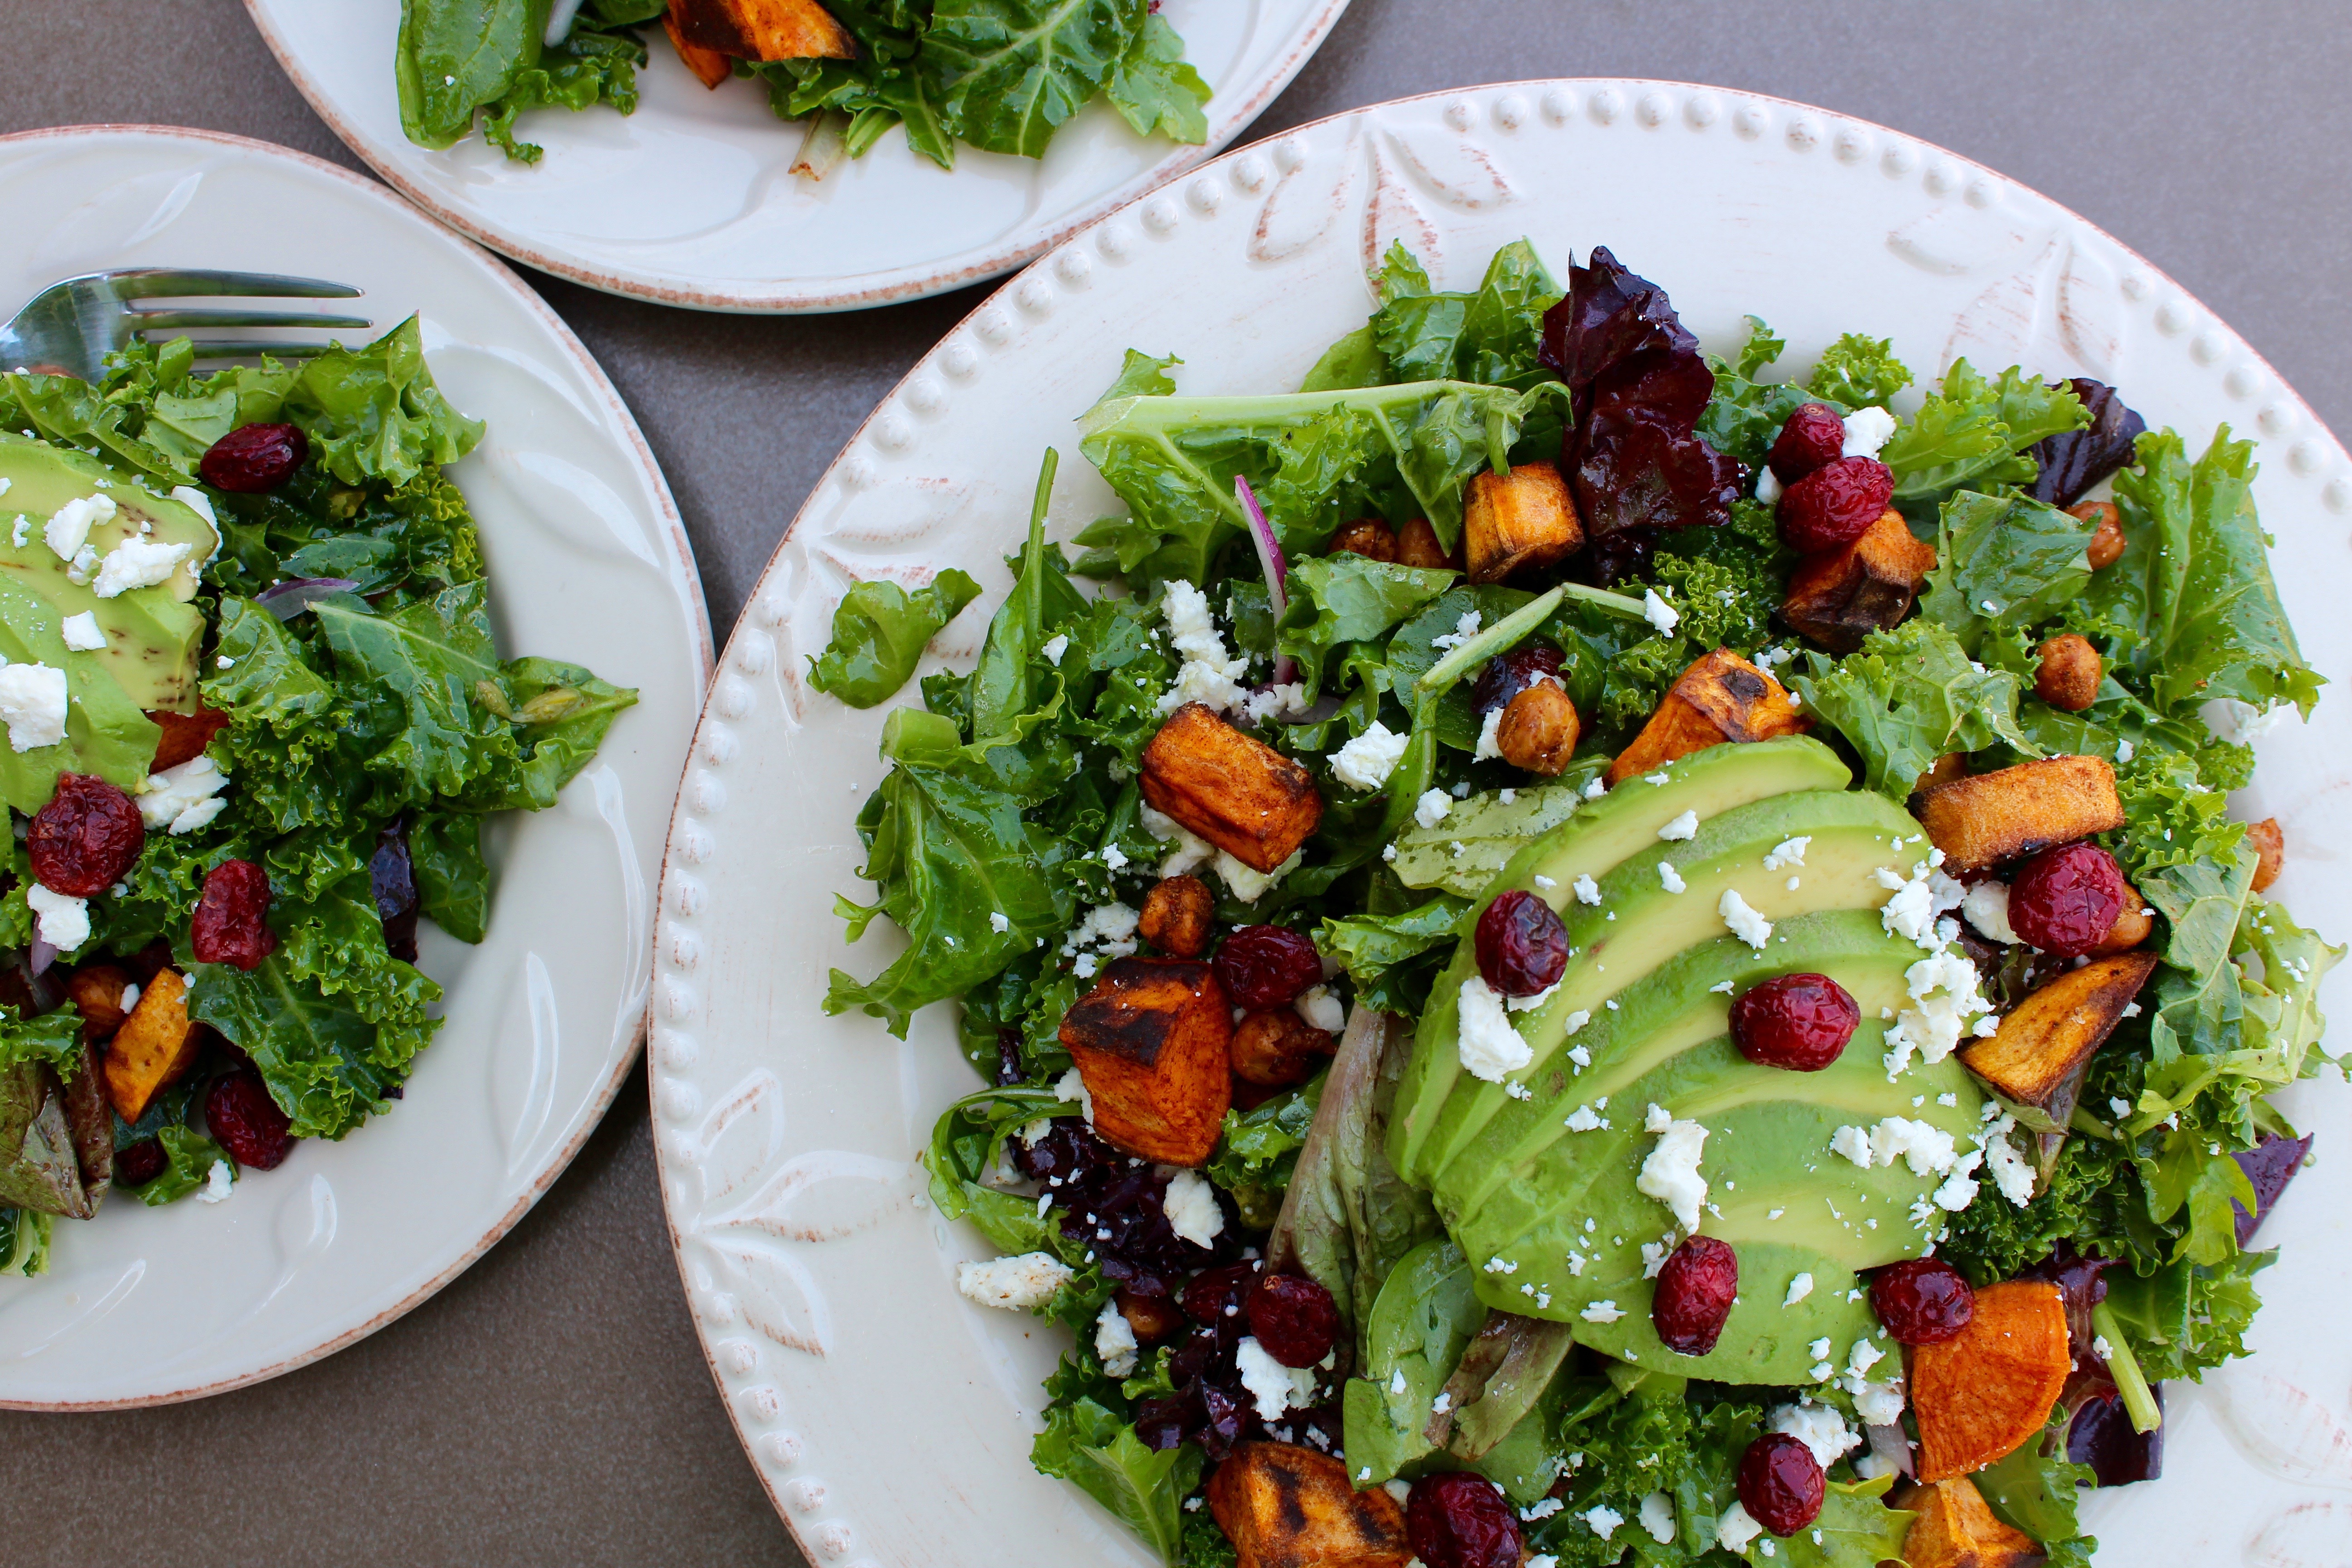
{"type": "Point", "coordinates": [692, 201]}
{"type": "Point", "coordinates": [890, 1418]}
{"type": "Point", "coordinates": [587, 562]}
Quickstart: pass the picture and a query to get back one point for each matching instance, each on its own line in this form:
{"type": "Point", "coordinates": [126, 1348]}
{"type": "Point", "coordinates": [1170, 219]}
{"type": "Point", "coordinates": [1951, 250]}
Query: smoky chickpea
{"type": "Point", "coordinates": [1417, 546]}
{"type": "Point", "coordinates": [1277, 1049]}
{"type": "Point", "coordinates": [1540, 728]}
{"type": "Point", "coordinates": [1369, 537]}
{"type": "Point", "coordinates": [2069, 674]}
{"type": "Point", "coordinates": [1176, 916]}
{"type": "Point", "coordinates": [2270, 852]}
{"type": "Point", "coordinates": [2107, 546]}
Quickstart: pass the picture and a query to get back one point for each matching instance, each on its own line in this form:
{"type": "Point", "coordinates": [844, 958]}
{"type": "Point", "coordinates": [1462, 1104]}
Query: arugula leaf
{"type": "Point", "coordinates": [1856, 371]}
{"type": "Point", "coordinates": [1908, 697]}
{"type": "Point", "coordinates": [1006, 73]}
{"type": "Point", "coordinates": [1155, 90]}
{"type": "Point", "coordinates": [2003, 562]}
{"type": "Point", "coordinates": [52, 1037]}
{"type": "Point", "coordinates": [879, 631]}
{"type": "Point", "coordinates": [2190, 612]}
{"type": "Point", "coordinates": [1974, 433]}
{"type": "Point", "coordinates": [1084, 1442]}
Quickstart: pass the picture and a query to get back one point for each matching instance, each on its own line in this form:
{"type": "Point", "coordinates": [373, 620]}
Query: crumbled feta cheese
{"type": "Point", "coordinates": [1854, 1142]}
{"type": "Point", "coordinates": [1603, 1518]}
{"type": "Point", "coordinates": [1587, 891]}
{"type": "Point", "coordinates": [1273, 1386]}
{"type": "Point", "coordinates": [1878, 1404]}
{"type": "Point", "coordinates": [1818, 1428]}
{"type": "Point", "coordinates": [68, 527]}
{"type": "Point", "coordinates": [2241, 723]}
{"type": "Point", "coordinates": [1541, 1509]}
{"type": "Point", "coordinates": [1864, 1356]}
{"type": "Point", "coordinates": [1919, 901]}
{"type": "Point", "coordinates": [2101, 1348]}
{"type": "Point", "coordinates": [1115, 1341]}
{"type": "Point", "coordinates": [1744, 922]}
{"type": "Point", "coordinates": [185, 797]}
{"type": "Point", "coordinates": [1191, 1204]}
{"type": "Point", "coordinates": [1248, 884]}
{"type": "Point", "coordinates": [1737, 1528]}
{"type": "Point", "coordinates": [1583, 1119]}
{"type": "Point", "coordinates": [1366, 762]}
{"type": "Point", "coordinates": [1670, 878]}
{"type": "Point", "coordinates": [2011, 1171]}
{"type": "Point", "coordinates": [1109, 926]}
{"type": "Point", "coordinates": [1866, 430]}
{"type": "Point", "coordinates": [1015, 1284]}
{"type": "Point", "coordinates": [33, 704]}
{"type": "Point", "coordinates": [1490, 731]}
{"type": "Point", "coordinates": [1944, 987]}
{"type": "Point", "coordinates": [1683, 826]}
{"type": "Point", "coordinates": [1114, 856]}
{"type": "Point", "coordinates": [1321, 1009]}
{"type": "Point", "coordinates": [1208, 675]}
{"type": "Point", "coordinates": [1768, 485]}
{"type": "Point", "coordinates": [138, 564]}
{"type": "Point", "coordinates": [1490, 1047]}
{"type": "Point", "coordinates": [217, 1182]}
{"type": "Point", "coordinates": [1798, 1288]}
{"type": "Point", "coordinates": [1595, 788]}
{"type": "Point", "coordinates": [997, 923]}
{"type": "Point", "coordinates": [1657, 612]}
{"type": "Point", "coordinates": [82, 632]}
{"type": "Point", "coordinates": [1658, 1508]}
{"type": "Point", "coordinates": [1987, 909]}
{"type": "Point", "coordinates": [1530, 1004]}
{"type": "Point", "coordinates": [1463, 630]}
{"type": "Point", "coordinates": [1600, 1313]}
{"type": "Point", "coordinates": [1056, 647]}
{"type": "Point", "coordinates": [1072, 1086]}
{"type": "Point", "coordinates": [1670, 1174]}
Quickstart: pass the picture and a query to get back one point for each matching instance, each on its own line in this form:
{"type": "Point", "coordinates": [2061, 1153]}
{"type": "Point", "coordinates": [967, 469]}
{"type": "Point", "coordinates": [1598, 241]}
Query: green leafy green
{"type": "Point", "coordinates": [1345, 598]}
{"type": "Point", "coordinates": [2036, 1487]}
{"type": "Point", "coordinates": [1156, 90]}
{"type": "Point", "coordinates": [24, 1243]}
{"type": "Point", "coordinates": [52, 1037]}
{"type": "Point", "coordinates": [1259, 1146]}
{"type": "Point", "coordinates": [189, 1157]}
{"type": "Point", "coordinates": [1908, 697]}
{"type": "Point", "coordinates": [455, 56]}
{"type": "Point", "coordinates": [1745, 414]}
{"type": "Point", "coordinates": [1973, 433]}
{"type": "Point", "coordinates": [1857, 370]}
{"type": "Point", "coordinates": [879, 631]}
{"type": "Point", "coordinates": [1145, 1489]}
{"type": "Point", "coordinates": [2003, 562]}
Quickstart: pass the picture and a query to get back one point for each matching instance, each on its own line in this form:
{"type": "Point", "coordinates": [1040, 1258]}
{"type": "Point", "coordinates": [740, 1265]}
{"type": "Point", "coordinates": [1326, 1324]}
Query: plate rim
{"type": "Point", "coordinates": [600, 1100]}
{"type": "Point", "coordinates": [770, 1477]}
{"type": "Point", "coordinates": [881, 287]}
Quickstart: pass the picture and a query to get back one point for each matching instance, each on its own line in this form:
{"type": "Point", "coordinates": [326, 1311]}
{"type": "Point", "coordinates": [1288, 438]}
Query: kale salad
{"type": "Point", "coordinates": [998, 74]}
{"type": "Point", "coordinates": [1584, 953]}
{"type": "Point", "coordinates": [256, 717]}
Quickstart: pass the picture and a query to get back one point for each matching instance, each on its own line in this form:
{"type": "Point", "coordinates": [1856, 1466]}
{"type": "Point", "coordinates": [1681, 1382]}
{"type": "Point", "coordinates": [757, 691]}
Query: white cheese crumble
{"type": "Point", "coordinates": [137, 563]}
{"type": "Point", "coordinates": [1920, 901]}
{"type": "Point", "coordinates": [1115, 1341]}
{"type": "Point", "coordinates": [1191, 853]}
{"type": "Point", "coordinates": [1431, 808]}
{"type": "Point", "coordinates": [1600, 1313]}
{"type": "Point", "coordinates": [1798, 1288]}
{"type": "Point", "coordinates": [1490, 1047]}
{"type": "Point", "coordinates": [1273, 1386]}
{"type": "Point", "coordinates": [1321, 1009]}
{"type": "Point", "coordinates": [2241, 723]}
{"type": "Point", "coordinates": [217, 1182]}
{"type": "Point", "coordinates": [1191, 1204]}
{"type": "Point", "coordinates": [1541, 1509]}
{"type": "Point", "coordinates": [1463, 630]}
{"type": "Point", "coordinates": [1788, 852]}
{"type": "Point", "coordinates": [997, 923]}
{"type": "Point", "coordinates": [1866, 430]}
{"type": "Point", "coordinates": [1658, 1514]}
{"type": "Point", "coordinates": [1587, 891]}
{"type": "Point", "coordinates": [1249, 884]}
{"type": "Point", "coordinates": [1878, 1404]}
{"type": "Point", "coordinates": [1744, 922]}
{"type": "Point", "coordinates": [1943, 987]}
{"type": "Point", "coordinates": [1072, 1086]}
{"type": "Point", "coordinates": [1987, 909]}
{"type": "Point", "coordinates": [1366, 762]}
{"type": "Point", "coordinates": [2010, 1171]}
{"type": "Point", "coordinates": [1670, 878]}
{"type": "Point", "coordinates": [63, 922]}
{"type": "Point", "coordinates": [1209, 675]}
{"type": "Point", "coordinates": [1768, 485]}
{"type": "Point", "coordinates": [1603, 1518]}
{"type": "Point", "coordinates": [1818, 1428]}
{"type": "Point", "coordinates": [82, 632]}
{"type": "Point", "coordinates": [1670, 1174]}
{"type": "Point", "coordinates": [1683, 826]}
{"type": "Point", "coordinates": [1056, 647]}
{"type": "Point", "coordinates": [1490, 731]}
{"type": "Point", "coordinates": [33, 704]}
{"type": "Point", "coordinates": [1530, 1004]}
{"type": "Point", "coordinates": [1583, 1119]}
{"type": "Point", "coordinates": [1738, 1527]}
{"type": "Point", "coordinates": [68, 527]}
{"type": "Point", "coordinates": [1657, 612]}
{"type": "Point", "coordinates": [185, 797]}
{"type": "Point", "coordinates": [1108, 926]}
{"type": "Point", "coordinates": [1020, 1283]}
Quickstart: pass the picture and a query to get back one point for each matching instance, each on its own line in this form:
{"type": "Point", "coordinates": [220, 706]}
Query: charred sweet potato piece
{"type": "Point", "coordinates": [1982, 821]}
{"type": "Point", "coordinates": [1277, 1050]}
{"type": "Point", "coordinates": [710, 66]}
{"type": "Point", "coordinates": [1177, 914]}
{"type": "Point", "coordinates": [1417, 546]}
{"type": "Point", "coordinates": [761, 29]}
{"type": "Point", "coordinates": [1955, 1529]}
{"type": "Point", "coordinates": [1943, 770]}
{"type": "Point", "coordinates": [1720, 699]}
{"type": "Point", "coordinates": [2270, 852]}
{"type": "Point", "coordinates": [1839, 596]}
{"type": "Point", "coordinates": [1518, 520]}
{"type": "Point", "coordinates": [1151, 1041]}
{"type": "Point", "coordinates": [96, 991]}
{"type": "Point", "coordinates": [1978, 1396]}
{"type": "Point", "coordinates": [154, 1045]}
{"type": "Point", "coordinates": [1240, 795]}
{"type": "Point", "coordinates": [2036, 1058]}
{"type": "Point", "coordinates": [1283, 1506]}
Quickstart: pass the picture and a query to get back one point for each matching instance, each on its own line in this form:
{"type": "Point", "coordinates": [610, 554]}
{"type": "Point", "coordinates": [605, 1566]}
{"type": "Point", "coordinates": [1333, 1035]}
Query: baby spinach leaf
{"type": "Point", "coordinates": [455, 56]}
{"type": "Point", "coordinates": [879, 631]}
{"type": "Point", "coordinates": [1344, 598]}
{"type": "Point", "coordinates": [1008, 72]}
{"type": "Point", "coordinates": [1908, 697]}
{"type": "Point", "coordinates": [1425, 1314]}
{"type": "Point", "coordinates": [2036, 1489]}
{"type": "Point", "coordinates": [1156, 90]}
{"type": "Point", "coordinates": [2003, 562]}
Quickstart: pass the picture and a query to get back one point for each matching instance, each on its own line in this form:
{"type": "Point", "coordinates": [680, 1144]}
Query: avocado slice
{"type": "Point", "coordinates": [152, 634]}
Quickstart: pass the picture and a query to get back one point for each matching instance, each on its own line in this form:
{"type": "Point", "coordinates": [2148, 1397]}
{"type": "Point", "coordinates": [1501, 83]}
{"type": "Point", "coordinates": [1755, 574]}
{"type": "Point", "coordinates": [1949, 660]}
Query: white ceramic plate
{"type": "Point", "coordinates": [691, 200]}
{"type": "Point", "coordinates": [888, 1416]}
{"type": "Point", "coordinates": [588, 563]}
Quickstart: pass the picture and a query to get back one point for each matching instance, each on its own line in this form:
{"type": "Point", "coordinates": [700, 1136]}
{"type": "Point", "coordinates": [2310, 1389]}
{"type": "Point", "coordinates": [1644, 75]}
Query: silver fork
{"type": "Point", "coordinates": [72, 326]}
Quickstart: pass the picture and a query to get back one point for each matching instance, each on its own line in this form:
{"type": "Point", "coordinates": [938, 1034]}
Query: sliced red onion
{"type": "Point", "coordinates": [288, 599]}
{"type": "Point", "coordinates": [41, 956]}
{"type": "Point", "coordinates": [1270, 561]}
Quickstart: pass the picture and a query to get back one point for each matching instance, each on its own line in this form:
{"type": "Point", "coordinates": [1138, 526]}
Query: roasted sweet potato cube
{"type": "Point", "coordinates": [154, 1045]}
{"type": "Point", "coordinates": [1982, 821]}
{"type": "Point", "coordinates": [1239, 793]}
{"type": "Point", "coordinates": [1978, 1396]}
{"type": "Point", "coordinates": [2036, 1059]}
{"type": "Point", "coordinates": [1370, 538]}
{"type": "Point", "coordinates": [1522, 519]}
{"type": "Point", "coordinates": [96, 991]}
{"type": "Point", "coordinates": [710, 66]}
{"type": "Point", "coordinates": [1839, 596]}
{"type": "Point", "coordinates": [1151, 1041]}
{"type": "Point", "coordinates": [762, 29]}
{"type": "Point", "coordinates": [1283, 1506]}
{"type": "Point", "coordinates": [1720, 699]}
{"type": "Point", "coordinates": [1956, 1529]}
{"type": "Point", "coordinates": [1943, 770]}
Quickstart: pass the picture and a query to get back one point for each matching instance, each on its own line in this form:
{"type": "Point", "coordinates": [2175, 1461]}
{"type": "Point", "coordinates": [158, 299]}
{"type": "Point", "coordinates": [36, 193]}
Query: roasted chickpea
{"type": "Point", "coordinates": [1153, 1317]}
{"type": "Point", "coordinates": [2107, 543]}
{"type": "Point", "coordinates": [1371, 537]}
{"type": "Point", "coordinates": [1417, 546]}
{"type": "Point", "coordinates": [1277, 1049]}
{"type": "Point", "coordinates": [2270, 851]}
{"type": "Point", "coordinates": [1176, 916]}
{"type": "Point", "coordinates": [1540, 730]}
{"type": "Point", "coordinates": [2131, 928]}
{"type": "Point", "coordinates": [2069, 673]}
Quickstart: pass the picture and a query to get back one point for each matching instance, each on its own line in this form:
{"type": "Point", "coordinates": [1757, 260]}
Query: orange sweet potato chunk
{"type": "Point", "coordinates": [1957, 1528]}
{"type": "Point", "coordinates": [1239, 793]}
{"type": "Point", "coordinates": [1839, 596]}
{"type": "Point", "coordinates": [709, 66]}
{"type": "Point", "coordinates": [1288, 1507]}
{"type": "Point", "coordinates": [1720, 700]}
{"type": "Point", "coordinates": [1523, 519]}
{"type": "Point", "coordinates": [1152, 1043]}
{"type": "Point", "coordinates": [154, 1045]}
{"type": "Point", "coordinates": [1982, 821]}
{"type": "Point", "coordinates": [2044, 1044]}
{"type": "Point", "coordinates": [96, 991]}
{"type": "Point", "coordinates": [1980, 1396]}
{"type": "Point", "coordinates": [760, 29]}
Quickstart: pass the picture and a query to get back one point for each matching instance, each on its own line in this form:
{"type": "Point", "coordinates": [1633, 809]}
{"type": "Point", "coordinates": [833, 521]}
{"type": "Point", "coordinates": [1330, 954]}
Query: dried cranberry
{"type": "Point", "coordinates": [1294, 1319]}
{"type": "Point", "coordinates": [1922, 1301]}
{"type": "Point", "coordinates": [252, 459]}
{"type": "Point", "coordinates": [1781, 1483]}
{"type": "Point", "coordinates": [86, 838]}
{"type": "Point", "coordinates": [2066, 899]}
{"type": "Point", "coordinates": [1801, 1022]}
{"type": "Point", "coordinates": [245, 1121]}
{"type": "Point", "coordinates": [1508, 674]}
{"type": "Point", "coordinates": [1215, 1295]}
{"type": "Point", "coordinates": [1457, 1518]}
{"type": "Point", "coordinates": [1694, 1295]}
{"type": "Point", "coordinates": [1522, 945]}
{"type": "Point", "coordinates": [229, 927]}
{"type": "Point", "coordinates": [140, 1163]}
{"type": "Point", "coordinates": [1835, 505]}
{"type": "Point", "coordinates": [1813, 439]}
{"type": "Point", "coordinates": [1262, 967]}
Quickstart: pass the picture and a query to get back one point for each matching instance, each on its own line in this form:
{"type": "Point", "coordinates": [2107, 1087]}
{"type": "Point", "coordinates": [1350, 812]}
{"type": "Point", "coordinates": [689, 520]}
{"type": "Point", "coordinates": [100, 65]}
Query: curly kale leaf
{"type": "Point", "coordinates": [53, 1037]}
{"type": "Point", "coordinates": [1856, 371]}
{"type": "Point", "coordinates": [1908, 697]}
{"type": "Point", "coordinates": [1973, 433]}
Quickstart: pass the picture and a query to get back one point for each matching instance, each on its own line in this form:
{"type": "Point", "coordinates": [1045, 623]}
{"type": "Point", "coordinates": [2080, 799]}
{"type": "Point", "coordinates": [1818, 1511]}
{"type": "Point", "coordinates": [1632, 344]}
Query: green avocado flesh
{"type": "Point", "coordinates": [1549, 1217]}
{"type": "Point", "coordinates": [152, 634]}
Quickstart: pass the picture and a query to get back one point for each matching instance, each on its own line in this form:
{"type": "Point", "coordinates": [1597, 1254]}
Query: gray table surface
{"type": "Point", "coordinates": [551, 1406]}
